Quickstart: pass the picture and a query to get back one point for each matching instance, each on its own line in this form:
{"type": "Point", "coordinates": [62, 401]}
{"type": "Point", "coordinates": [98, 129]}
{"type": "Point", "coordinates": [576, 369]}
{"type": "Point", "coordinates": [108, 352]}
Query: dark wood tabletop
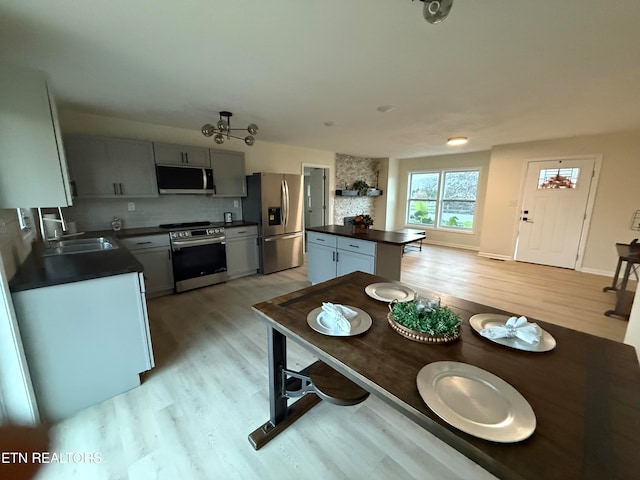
{"type": "Point", "coordinates": [585, 393]}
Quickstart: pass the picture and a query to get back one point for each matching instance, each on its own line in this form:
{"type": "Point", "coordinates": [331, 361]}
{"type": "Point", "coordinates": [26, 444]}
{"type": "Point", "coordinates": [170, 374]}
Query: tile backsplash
{"type": "Point", "coordinates": [96, 214]}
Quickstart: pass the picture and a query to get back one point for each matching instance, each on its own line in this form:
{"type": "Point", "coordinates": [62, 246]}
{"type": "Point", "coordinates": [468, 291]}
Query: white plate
{"type": "Point", "coordinates": [476, 401]}
{"type": "Point", "coordinates": [387, 292]}
{"type": "Point", "coordinates": [485, 320]}
{"type": "Point", "coordinates": [318, 321]}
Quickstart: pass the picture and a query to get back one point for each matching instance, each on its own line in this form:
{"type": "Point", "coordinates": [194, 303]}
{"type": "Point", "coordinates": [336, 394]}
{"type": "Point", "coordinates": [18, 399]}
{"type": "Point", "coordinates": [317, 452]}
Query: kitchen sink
{"type": "Point", "coordinates": [80, 245]}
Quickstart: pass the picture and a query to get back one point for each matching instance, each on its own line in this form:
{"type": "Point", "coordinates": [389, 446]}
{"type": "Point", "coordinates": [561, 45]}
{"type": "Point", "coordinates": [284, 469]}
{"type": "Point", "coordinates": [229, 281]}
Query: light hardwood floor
{"type": "Point", "coordinates": [191, 416]}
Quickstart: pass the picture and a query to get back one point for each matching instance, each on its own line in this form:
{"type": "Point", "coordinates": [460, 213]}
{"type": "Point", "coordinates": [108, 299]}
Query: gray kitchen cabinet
{"type": "Point", "coordinates": [33, 169]}
{"type": "Point", "coordinates": [83, 345]}
{"type": "Point", "coordinates": [321, 262]}
{"type": "Point", "coordinates": [242, 251]}
{"type": "Point", "coordinates": [172, 154]}
{"type": "Point", "coordinates": [102, 167]}
{"type": "Point", "coordinates": [229, 175]}
{"type": "Point", "coordinates": [331, 256]}
{"type": "Point", "coordinates": [154, 253]}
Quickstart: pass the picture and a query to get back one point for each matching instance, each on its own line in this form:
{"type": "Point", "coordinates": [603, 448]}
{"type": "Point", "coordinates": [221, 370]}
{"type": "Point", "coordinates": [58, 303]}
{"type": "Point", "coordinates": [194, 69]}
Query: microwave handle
{"type": "Point", "coordinates": [205, 181]}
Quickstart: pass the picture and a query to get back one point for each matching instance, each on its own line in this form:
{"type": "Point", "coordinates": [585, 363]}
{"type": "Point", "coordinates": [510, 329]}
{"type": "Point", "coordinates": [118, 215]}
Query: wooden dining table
{"type": "Point", "coordinates": [585, 393]}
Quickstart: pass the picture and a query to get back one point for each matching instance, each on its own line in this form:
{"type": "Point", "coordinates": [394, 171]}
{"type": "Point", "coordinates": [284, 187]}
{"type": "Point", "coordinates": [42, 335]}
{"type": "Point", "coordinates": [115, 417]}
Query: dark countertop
{"type": "Point", "coordinates": [379, 236]}
{"type": "Point", "coordinates": [38, 271]}
{"type": "Point", "coordinates": [138, 232]}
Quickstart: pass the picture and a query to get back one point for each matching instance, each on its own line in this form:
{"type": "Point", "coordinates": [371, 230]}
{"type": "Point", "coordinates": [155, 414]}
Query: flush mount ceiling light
{"type": "Point", "coordinates": [454, 141]}
{"type": "Point", "coordinates": [385, 108]}
{"type": "Point", "coordinates": [435, 11]}
{"type": "Point", "coordinates": [222, 130]}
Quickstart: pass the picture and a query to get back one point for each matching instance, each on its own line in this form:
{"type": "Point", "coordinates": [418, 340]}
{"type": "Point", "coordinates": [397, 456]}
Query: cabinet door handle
{"type": "Point", "coordinates": [333, 256]}
{"type": "Point", "coordinates": [186, 156]}
{"type": "Point", "coordinates": [181, 157]}
{"type": "Point", "coordinates": [354, 246]}
{"type": "Point", "coordinates": [121, 189]}
{"type": "Point", "coordinates": [320, 239]}
{"type": "Point", "coordinates": [142, 243]}
{"type": "Point", "coordinates": [115, 189]}
{"type": "Point", "coordinates": [243, 231]}
{"type": "Point", "coordinates": [337, 256]}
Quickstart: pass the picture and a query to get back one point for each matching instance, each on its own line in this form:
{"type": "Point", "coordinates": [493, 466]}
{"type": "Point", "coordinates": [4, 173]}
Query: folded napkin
{"type": "Point", "coordinates": [338, 316]}
{"type": "Point", "coordinates": [515, 327]}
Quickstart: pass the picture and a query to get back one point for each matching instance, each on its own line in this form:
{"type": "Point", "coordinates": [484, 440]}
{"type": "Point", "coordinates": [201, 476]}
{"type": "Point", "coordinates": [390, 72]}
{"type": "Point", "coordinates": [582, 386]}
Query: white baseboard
{"type": "Point", "coordinates": [452, 245]}
{"type": "Point", "coordinates": [494, 256]}
{"type": "Point", "coordinates": [595, 271]}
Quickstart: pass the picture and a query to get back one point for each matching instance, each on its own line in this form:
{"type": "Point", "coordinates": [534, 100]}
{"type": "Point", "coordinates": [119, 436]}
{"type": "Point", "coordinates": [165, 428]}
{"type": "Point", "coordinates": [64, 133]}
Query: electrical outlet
{"type": "Point", "coordinates": [236, 203]}
{"type": "Point", "coordinates": [131, 207]}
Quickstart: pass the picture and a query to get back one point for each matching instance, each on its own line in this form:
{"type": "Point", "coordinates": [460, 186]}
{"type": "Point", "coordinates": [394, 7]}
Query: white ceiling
{"type": "Point", "coordinates": [496, 71]}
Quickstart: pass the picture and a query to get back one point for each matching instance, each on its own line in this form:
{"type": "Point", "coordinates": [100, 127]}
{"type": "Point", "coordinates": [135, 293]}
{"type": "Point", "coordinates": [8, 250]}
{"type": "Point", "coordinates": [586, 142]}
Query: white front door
{"type": "Point", "coordinates": [553, 211]}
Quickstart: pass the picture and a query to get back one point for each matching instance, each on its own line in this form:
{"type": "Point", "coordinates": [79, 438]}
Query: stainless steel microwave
{"type": "Point", "coordinates": [184, 179]}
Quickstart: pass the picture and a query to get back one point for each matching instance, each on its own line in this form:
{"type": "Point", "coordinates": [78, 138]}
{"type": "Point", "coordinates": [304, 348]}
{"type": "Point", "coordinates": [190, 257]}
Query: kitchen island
{"type": "Point", "coordinates": [334, 250]}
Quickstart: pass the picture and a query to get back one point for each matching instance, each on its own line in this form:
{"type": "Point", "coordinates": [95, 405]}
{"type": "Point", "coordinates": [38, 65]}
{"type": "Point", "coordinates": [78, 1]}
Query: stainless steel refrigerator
{"type": "Point", "coordinates": [274, 201]}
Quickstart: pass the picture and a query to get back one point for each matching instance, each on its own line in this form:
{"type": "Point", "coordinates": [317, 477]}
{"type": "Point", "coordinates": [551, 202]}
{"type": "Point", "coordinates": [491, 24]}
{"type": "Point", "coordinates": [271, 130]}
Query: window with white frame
{"type": "Point", "coordinates": [443, 199]}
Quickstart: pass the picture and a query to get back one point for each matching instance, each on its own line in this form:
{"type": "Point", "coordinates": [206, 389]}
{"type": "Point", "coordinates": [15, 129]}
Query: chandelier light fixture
{"type": "Point", "coordinates": [435, 11]}
{"type": "Point", "coordinates": [221, 131]}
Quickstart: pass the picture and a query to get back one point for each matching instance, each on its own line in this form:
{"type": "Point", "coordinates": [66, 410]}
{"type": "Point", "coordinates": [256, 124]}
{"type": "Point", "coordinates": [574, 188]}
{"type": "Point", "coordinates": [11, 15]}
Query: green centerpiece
{"type": "Point", "coordinates": [424, 320]}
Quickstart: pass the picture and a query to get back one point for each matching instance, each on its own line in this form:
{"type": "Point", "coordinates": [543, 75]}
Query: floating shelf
{"type": "Point", "coordinates": [355, 193]}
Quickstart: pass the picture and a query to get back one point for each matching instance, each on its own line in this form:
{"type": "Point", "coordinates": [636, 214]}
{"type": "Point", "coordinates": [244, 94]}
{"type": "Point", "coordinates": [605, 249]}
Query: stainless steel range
{"type": "Point", "coordinates": [198, 254]}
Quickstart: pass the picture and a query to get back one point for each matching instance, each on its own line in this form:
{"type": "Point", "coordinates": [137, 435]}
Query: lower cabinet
{"type": "Point", "coordinates": [242, 251]}
{"type": "Point", "coordinates": [84, 346]}
{"type": "Point", "coordinates": [331, 256]}
{"type": "Point", "coordinates": [154, 253]}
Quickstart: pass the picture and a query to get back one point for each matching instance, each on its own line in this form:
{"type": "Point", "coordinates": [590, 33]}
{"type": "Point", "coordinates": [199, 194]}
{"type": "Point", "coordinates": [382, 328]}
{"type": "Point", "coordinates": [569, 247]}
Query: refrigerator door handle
{"type": "Point", "coordinates": [285, 212]}
{"type": "Point", "coordinates": [282, 237]}
{"type": "Point", "coordinates": [286, 196]}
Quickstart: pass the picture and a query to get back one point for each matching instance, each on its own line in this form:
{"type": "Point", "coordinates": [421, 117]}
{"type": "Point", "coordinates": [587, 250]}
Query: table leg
{"type": "Point", "coordinates": [281, 416]}
{"type": "Point", "coordinates": [621, 294]}
{"type": "Point", "coordinates": [614, 283]}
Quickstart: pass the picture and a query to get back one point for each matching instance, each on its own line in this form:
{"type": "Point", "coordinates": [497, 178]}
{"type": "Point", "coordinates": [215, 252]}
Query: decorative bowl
{"type": "Point", "coordinates": [416, 336]}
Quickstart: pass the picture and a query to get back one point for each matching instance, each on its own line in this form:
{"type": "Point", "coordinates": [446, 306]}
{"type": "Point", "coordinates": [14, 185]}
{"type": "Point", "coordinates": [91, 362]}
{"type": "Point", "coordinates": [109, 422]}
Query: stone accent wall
{"type": "Point", "coordinates": [348, 170]}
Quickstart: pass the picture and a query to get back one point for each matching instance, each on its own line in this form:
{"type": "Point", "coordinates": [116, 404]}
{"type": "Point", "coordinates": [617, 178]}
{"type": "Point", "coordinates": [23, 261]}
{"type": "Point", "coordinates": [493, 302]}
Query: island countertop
{"type": "Point", "coordinates": [379, 236]}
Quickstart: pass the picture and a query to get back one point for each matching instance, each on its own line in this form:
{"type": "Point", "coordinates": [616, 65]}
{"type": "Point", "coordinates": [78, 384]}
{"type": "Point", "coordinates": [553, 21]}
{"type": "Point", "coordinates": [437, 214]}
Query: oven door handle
{"type": "Point", "coordinates": [193, 243]}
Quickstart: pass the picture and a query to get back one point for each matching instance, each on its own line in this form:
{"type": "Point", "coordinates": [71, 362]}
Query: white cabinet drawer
{"type": "Point", "coordinates": [322, 239]}
{"type": "Point", "coordinates": [146, 241]}
{"type": "Point", "coordinates": [358, 246]}
{"type": "Point", "coordinates": [239, 232]}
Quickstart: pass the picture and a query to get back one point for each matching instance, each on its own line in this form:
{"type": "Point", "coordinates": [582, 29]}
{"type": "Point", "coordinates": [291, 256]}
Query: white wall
{"type": "Point", "coordinates": [461, 160]}
{"type": "Point", "coordinates": [617, 196]}
{"type": "Point", "coordinates": [262, 157]}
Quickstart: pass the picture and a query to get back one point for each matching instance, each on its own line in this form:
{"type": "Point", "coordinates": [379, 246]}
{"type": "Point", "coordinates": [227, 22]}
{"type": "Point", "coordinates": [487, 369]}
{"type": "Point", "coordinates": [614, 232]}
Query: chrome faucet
{"type": "Point", "coordinates": [61, 221]}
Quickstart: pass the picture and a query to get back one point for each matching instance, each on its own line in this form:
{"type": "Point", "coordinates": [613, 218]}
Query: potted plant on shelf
{"type": "Point", "coordinates": [361, 186]}
{"type": "Point", "coordinates": [424, 321]}
{"type": "Point", "coordinates": [361, 223]}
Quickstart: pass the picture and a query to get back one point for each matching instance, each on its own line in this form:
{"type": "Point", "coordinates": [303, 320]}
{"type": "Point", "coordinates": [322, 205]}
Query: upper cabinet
{"type": "Point", "coordinates": [229, 176]}
{"type": "Point", "coordinates": [170, 154]}
{"type": "Point", "coordinates": [111, 167]}
{"type": "Point", "coordinates": [33, 169]}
